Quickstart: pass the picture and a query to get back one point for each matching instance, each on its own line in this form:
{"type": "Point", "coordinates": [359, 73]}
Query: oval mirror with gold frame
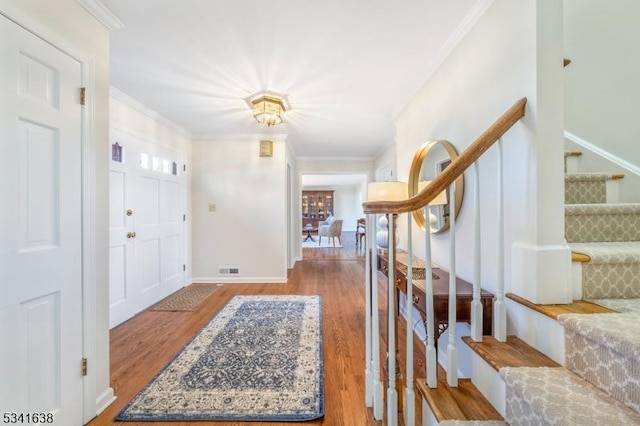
{"type": "Point", "coordinates": [429, 160]}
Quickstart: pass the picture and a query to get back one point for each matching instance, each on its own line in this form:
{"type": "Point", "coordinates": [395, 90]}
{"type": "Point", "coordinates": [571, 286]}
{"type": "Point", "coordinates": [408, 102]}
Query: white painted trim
{"type": "Point", "coordinates": [541, 273]}
{"type": "Point", "coordinates": [145, 110]}
{"type": "Point", "coordinates": [144, 137]}
{"type": "Point", "coordinates": [102, 14]}
{"type": "Point", "coordinates": [104, 400]}
{"type": "Point", "coordinates": [604, 154]}
{"type": "Point", "coordinates": [89, 297]}
{"type": "Point", "coordinates": [35, 27]}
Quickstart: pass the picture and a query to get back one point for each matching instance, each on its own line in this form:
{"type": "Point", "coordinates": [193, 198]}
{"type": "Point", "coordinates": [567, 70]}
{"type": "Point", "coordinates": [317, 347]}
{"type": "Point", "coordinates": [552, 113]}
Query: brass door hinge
{"type": "Point", "coordinates": [83, 96]}
{"type": "Point", "coordinates": [84, 366]}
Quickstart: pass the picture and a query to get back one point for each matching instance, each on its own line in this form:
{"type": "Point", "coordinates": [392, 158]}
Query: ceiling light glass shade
{"type": "Point", "coordinates": [268, 110]}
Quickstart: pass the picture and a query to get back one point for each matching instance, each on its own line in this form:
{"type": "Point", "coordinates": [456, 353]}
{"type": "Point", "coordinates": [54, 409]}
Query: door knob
{"type": "Point", "coordinates": [129, 212]}
{"type": "Point", "coordinates": [131, 234]}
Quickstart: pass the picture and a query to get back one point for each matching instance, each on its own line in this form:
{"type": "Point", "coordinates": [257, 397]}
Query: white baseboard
{"type": "Point", "coordinates": [105, 400]}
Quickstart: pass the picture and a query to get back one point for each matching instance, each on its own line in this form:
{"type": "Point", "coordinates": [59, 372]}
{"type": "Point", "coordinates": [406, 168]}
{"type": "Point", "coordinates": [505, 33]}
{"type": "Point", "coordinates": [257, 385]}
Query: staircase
{"type": "Point", "coordinates": [582, 366]}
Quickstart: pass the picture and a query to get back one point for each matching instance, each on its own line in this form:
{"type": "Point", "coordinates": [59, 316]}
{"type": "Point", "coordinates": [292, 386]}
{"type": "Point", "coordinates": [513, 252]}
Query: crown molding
{"type": "Point", "coordinates": [145, 110]}
{"type": "Point", "coordinates": [102, 14]}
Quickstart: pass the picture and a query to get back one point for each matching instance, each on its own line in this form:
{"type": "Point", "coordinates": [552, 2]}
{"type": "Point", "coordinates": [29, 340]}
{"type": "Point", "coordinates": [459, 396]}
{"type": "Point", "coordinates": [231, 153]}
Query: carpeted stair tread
{"type": "Point", "coordinates": [465, 402]}
{"type": "Point", "coordinates": [555, 396]}
{"type": "Point", "coordinates": [605, 351]}
{"type": "Point", "coordinates": [613, 269]}
{"type": "Point", "coordinates": [609, 251]}
{"type": "Point", "coordinates": [512, 353]}
{"type": "Point", "coordinates": [619, 331]}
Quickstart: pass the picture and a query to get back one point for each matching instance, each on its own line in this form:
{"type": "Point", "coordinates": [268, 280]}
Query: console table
{"type": "Point", "coordinates": [464, 291]}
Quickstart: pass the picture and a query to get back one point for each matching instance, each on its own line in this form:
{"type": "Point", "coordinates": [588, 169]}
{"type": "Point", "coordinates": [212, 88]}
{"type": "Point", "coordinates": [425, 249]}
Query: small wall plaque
{"type": "Point", "coordinates": [266, 148]}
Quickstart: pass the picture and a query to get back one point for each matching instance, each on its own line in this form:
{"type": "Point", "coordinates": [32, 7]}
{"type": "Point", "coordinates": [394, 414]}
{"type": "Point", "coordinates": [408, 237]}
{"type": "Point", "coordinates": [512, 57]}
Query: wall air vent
{"type": "Point", "coordinates": [227, 270]}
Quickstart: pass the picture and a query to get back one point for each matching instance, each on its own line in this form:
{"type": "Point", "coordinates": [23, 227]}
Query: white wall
{"type": "Point", "coordinates": [513, 51]}
{"type": "Point", "coordinates": [602, 39]}
{"type": "Point", "coordinates": [65, 23]}
{"type": "Point", "coordinates": [248, 228]}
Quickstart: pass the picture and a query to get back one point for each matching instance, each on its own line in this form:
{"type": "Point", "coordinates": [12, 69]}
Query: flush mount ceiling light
{"type": "Point", "coordinates": [268, 109]}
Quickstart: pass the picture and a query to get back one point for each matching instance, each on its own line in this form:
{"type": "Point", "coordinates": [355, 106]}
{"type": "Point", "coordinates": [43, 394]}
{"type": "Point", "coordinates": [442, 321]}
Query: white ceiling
{"type": "Point", "coordinates": [346, 67]}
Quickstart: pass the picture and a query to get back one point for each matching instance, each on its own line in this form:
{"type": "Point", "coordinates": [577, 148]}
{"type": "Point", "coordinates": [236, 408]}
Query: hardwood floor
{"type": "Point", "coordinates": [142, 346]}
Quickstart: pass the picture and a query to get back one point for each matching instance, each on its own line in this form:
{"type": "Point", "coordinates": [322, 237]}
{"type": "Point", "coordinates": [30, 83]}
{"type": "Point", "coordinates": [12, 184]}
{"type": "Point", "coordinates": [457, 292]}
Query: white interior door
{"type": "Point", "coordinates": [147, 227]}
{"type": "Point", "coordinates": [121, 256]}
{"type": "Point", "coordinates": [40, 228]}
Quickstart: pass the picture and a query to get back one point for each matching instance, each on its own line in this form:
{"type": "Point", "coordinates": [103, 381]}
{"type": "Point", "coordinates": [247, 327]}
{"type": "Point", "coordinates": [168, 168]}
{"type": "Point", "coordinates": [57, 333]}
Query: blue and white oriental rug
{"type": "Point", "coordinates": [258, 359]}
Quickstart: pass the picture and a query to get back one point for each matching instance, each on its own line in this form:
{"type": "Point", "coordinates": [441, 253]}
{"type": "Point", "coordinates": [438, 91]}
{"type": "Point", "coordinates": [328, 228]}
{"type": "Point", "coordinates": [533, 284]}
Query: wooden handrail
{"type": "Point", "coordinates": [453, 170]}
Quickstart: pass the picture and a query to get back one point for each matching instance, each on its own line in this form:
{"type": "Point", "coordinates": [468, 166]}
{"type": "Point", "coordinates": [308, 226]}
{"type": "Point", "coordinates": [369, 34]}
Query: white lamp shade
{"type": "Point", "coordinates": [387, 191]}
{"type": "Point", "coordinates": [440, 199]}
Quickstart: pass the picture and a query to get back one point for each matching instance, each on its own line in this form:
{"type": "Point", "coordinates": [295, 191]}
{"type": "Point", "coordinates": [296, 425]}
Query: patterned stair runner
{"type": "Point", "coordinates": [604, 349]}
{"type": "Point", "coordinates": [586, 188]}
{"type": "Point", "coordinates": [600, 381]}
{"type": "Point", "coordinates": [556, 396]}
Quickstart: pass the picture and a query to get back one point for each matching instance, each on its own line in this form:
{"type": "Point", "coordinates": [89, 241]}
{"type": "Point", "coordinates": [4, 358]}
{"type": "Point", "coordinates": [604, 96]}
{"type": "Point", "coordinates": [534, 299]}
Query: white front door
{"type": "Point", "coordinates": [40, 230]}
{"type": "Point", "coordinates": [146, 225]}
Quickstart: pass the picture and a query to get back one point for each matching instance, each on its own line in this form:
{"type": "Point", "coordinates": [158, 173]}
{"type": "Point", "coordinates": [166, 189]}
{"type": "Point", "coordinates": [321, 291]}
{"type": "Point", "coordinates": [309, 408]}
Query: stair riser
{"type": "Point", "coordinates": [614, 373]}
{"type": "Point", "coordinates": [602, 227]}
{"type": "Point", "coordinates": [539, 331]}
{"type": "Point", "coordinates": [585, 192]}
{"type": "Point", "coordinates": [611, 281]}
{"type": "Point", "coordinates": [489, 382]}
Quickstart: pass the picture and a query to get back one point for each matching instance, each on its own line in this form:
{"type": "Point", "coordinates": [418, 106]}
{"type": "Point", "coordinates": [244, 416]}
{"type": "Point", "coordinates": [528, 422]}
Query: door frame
{"type": "Point", "coordinates": [90, 403]}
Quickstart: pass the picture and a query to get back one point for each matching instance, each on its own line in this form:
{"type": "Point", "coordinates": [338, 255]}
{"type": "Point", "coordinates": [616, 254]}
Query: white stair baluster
{"type": "Point", "coordinates": [476, 305]}
{"type": "Point", "coordinates": [392, 393]}
{"type": "Point", "coordinates": [409, 395]}
{"type": "Point", "coordinates": [378, 400]}
{"type": "Point", "coordinates": [431, 364]}
{"type": "Point", "coordinates": [499, 306]}
{"type": "Point", "coordinates": [452, 350]}
{"type": "Point", "coordinates": [368, 279]}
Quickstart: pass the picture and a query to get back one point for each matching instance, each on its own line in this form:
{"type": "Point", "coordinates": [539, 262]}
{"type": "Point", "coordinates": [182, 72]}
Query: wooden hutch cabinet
{"type": "Point", "coordinates": [316, 207]}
